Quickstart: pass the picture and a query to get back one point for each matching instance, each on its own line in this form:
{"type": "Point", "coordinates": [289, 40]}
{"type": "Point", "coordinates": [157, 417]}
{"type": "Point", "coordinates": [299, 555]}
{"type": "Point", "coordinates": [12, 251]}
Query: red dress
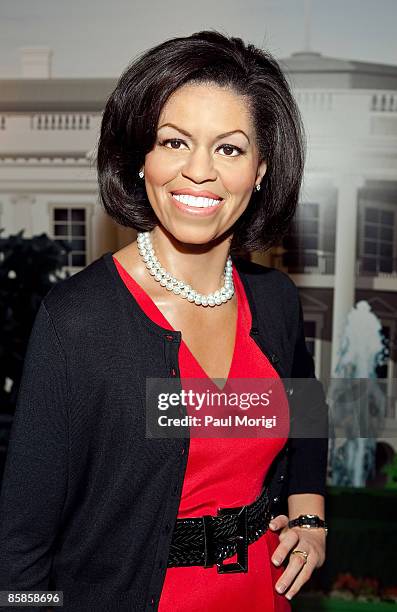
{"type": "Point", "coordinates": [223, 472]}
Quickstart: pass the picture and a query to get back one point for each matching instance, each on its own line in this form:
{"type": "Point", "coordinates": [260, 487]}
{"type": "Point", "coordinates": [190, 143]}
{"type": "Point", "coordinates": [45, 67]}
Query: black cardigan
{"type": "Point", "coordinates": [88, 502]}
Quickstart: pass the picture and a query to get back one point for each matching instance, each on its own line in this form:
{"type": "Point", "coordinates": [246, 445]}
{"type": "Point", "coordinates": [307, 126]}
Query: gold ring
{"type": "Point", "coordinates": [300, 552]}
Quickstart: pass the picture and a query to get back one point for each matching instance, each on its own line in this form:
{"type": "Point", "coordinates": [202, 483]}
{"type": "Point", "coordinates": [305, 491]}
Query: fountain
{"type": "Point", "coordinates": [356, 401]}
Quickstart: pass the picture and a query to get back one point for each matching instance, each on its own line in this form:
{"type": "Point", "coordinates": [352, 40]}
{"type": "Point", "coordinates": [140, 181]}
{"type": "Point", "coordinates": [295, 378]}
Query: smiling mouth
{"type": "Point", "coordinates": [196, 202]}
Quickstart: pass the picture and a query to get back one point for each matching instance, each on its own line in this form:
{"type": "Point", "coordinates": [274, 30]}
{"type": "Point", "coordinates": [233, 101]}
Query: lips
{"type": "Point", "coordinates": [197, 194]}
{"type": "Point", "coordinates": [196, 211]}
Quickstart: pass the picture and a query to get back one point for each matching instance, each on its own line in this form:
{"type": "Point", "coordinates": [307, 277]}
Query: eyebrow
{"type": "Point", "coordinates": [217, 137]}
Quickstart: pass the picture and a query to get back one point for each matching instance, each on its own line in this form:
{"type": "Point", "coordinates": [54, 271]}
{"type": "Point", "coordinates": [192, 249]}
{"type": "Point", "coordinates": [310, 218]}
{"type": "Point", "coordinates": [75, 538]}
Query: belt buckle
{"type": "Point", "coordinates": [241, 565]}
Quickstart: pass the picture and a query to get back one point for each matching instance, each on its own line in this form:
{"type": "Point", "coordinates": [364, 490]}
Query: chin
{"type": "Point", "coordinates": [192, 235]}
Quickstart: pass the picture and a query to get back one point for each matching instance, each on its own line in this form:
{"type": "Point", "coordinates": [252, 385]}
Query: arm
{"type": "Point", "coordinates": [306, 503]}
{"type": "Point", "coordinates": [308, 442]}
{"type": "Point", "coordinates": [306, 484]}
{"type": "Point", "coordinates": [35, 476]}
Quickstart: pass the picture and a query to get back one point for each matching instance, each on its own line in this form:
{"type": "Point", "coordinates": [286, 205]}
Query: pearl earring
{"type": "Point", "coordinates": [258, 187]}
{"type": "Point", "coordinates": [141, 174]}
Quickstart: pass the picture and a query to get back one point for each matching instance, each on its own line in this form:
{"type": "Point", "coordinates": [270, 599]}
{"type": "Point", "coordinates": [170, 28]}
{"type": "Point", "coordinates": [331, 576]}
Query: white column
{"type": "Point", "coordinates": [345, 257]}
{"type": "Point", "coordinates": [22, 214]}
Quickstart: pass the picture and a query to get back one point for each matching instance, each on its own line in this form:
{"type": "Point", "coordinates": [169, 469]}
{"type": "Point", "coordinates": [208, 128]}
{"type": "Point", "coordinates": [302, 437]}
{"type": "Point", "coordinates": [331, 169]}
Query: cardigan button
{"type": "Point", "coordinates": [282, 477]}
{"type": "Point", "coordinates": [274, 358]}
{"type": "Point", "coordinates": [275, 499]}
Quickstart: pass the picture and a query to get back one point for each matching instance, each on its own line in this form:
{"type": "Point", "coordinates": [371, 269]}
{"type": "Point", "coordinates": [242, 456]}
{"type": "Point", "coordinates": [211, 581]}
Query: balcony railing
{"type": "Point", "coordinates": [385, 267]}
{"type": "Point", "coordinates": [61, 121]}
{"type": "Point", "coordinates": [312, 261]}
{"type": "Point", "coordinates": [384, 102]}
{"type": "Point", "coordinates": [308, 261]}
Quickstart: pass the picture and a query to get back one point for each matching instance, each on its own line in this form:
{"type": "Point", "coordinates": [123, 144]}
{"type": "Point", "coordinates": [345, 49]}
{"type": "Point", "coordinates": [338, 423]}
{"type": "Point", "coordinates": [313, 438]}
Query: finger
{"type": "Point", "coordinates": [290, 539]}
{"type": "Point", "coordinates": [292, 574]}
{"type": "Point", "coordinates": [302, 577]}
{"type": "Point", "coordinates": [279, 522]}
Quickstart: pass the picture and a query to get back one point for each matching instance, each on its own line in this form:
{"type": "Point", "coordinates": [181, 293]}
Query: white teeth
{"type": "Point", "coordinates": [200, 202]}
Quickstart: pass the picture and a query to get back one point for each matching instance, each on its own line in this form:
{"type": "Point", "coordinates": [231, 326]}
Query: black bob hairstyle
{"type": "Point", "coordinates": [131, 115]}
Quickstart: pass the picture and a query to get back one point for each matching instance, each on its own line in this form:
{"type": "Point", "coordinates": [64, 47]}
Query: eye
{"type": "Point", "coordinates": [230, 149]}
{"type": "Point", "coordinates": [174, 142]}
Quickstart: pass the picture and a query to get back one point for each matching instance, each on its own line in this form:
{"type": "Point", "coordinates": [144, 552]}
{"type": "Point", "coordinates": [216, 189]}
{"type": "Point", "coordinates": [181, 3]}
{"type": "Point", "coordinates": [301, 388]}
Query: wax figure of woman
{"type": "Point", "coordinates": [201, 151]}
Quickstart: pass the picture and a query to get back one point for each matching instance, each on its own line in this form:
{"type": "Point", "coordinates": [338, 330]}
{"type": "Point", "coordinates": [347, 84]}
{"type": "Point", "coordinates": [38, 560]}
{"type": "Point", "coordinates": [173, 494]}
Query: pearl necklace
{"type": "Point", "coordinates": [178, 287]}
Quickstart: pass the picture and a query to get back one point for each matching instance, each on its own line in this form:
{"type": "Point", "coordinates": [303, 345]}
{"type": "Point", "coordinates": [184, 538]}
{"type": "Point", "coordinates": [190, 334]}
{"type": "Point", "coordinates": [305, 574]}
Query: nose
{"type": "Point", "coordinates": [199, 167]}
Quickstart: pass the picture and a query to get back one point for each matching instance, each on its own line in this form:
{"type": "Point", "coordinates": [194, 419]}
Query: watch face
{"type": "Point", "coordinates": [309, 519]}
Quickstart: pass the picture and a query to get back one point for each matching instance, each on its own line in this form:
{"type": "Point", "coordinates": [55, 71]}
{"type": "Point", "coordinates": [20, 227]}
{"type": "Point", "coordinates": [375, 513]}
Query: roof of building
{"type": "Point", "coordinates": [59, 95]}
{"type": "Point", "coordinates": [304, 69]}
{"type": "Point", "coordinates": [311, 70]}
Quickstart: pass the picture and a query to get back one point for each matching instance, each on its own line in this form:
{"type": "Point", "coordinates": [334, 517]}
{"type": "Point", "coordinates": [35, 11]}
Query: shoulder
{"type": "Point", "coordinates": [80, 301]}
{"type": "Point", "coordinates": [266, 281]}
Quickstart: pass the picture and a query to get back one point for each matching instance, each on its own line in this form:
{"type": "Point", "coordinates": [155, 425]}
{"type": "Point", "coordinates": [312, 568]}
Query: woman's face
{"type": "Point", "coordinates": [204, 165]}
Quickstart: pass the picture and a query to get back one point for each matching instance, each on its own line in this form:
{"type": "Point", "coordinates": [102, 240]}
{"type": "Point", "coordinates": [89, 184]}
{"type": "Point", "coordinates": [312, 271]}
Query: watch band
{"type": "Point", "coordinates": [309, 521]}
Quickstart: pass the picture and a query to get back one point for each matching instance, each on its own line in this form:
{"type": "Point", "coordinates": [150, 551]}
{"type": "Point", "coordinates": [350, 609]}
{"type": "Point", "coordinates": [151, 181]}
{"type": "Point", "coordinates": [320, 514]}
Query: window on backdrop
{"type": "Point", "coordinates": [69, 225]}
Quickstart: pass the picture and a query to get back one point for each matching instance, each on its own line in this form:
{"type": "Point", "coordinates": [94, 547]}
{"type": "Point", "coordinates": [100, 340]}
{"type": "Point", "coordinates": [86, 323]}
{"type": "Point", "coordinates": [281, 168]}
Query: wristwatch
{"type": "Point", "coordinates": [309, 521]}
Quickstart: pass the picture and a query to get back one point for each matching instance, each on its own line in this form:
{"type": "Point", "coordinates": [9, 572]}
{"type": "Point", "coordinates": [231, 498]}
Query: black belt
{"type": "Point", "coordinates": [208, 539]}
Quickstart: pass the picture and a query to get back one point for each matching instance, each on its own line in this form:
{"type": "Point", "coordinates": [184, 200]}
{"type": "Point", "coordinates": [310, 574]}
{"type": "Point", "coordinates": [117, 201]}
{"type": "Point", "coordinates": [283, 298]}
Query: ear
{"type": "Point", "coordinates": [261, 171]}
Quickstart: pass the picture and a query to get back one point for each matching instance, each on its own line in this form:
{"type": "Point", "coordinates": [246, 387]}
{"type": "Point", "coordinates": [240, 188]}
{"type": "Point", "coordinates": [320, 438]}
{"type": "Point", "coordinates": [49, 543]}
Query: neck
{"type": "Point", "coordinates": [200, 265]}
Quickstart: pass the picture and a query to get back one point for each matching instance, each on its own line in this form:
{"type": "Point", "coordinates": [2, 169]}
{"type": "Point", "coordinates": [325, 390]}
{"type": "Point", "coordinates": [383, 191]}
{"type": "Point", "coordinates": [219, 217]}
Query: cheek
{"type": "Point", "coordinates": [238, 181]}
{"type": "Point", "coordinates": [159, 169]}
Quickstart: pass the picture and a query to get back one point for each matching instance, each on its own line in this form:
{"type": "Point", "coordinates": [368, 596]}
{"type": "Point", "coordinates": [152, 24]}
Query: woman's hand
{"type": "Point", "coordinates": [297, 571]}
